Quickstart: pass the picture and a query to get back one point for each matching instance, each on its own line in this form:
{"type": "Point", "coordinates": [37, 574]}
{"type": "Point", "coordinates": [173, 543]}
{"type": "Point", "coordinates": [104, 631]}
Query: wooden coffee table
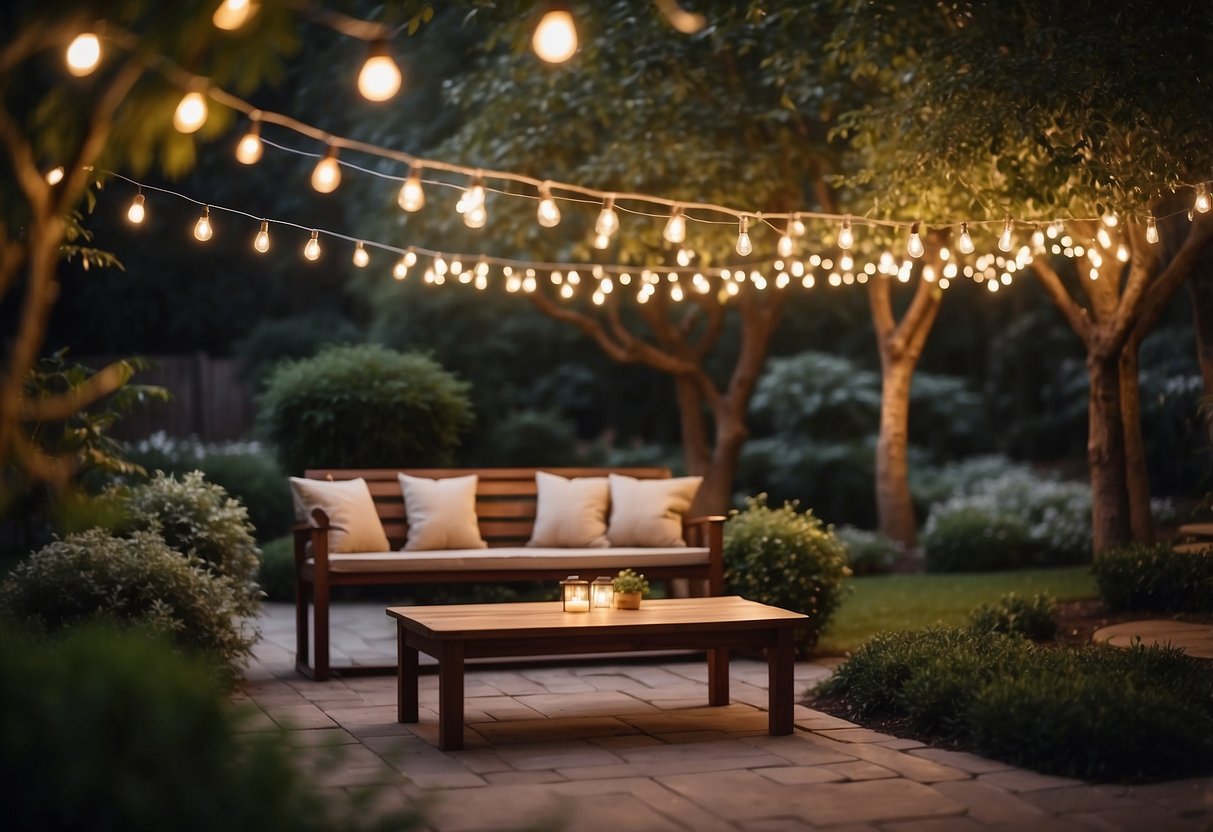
{"type": "Point", "coordinates": [454, 633]}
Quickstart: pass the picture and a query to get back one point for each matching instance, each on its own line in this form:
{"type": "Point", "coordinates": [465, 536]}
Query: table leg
{"type": "Point", "coordinates": [718, 676]}
{"type": "Point", "coordinates": [781, 658]}
{"type": "Point", "coordinates": [450, 696]}
{"type": "Point", "coordinates": [406, 679]}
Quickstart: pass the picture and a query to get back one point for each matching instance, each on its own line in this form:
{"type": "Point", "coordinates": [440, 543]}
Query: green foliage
{"type": "Point", "coordinates": [273, 341]}
{"type": "Point", "coordinates": [277, 575]}
{"type": "Point", "coordinates": [868, 552]}
{"type": "Point", "coordinates": [530, 438]}
{"type": "Point", "coordinates": [198, 519]}
{"type": "Point", "coordinates": [1155, 577]}
{"type": "Point", "coordinates": [113, 732]}
{"type": "Point", "coordinates": [1095, 712]}
{"type": "Point", "coordinates": [136, 580]}
{"type": "Point", "coordinates": [363, 407]}
{"type": "Point", "coordinates": [628, 581]}
{"type": "Point", "coordinates": [974, 539]}
{"type": "Point", "coordinates": [787, 559]}
{"type": "Point", "coordinates": [1016, 615]}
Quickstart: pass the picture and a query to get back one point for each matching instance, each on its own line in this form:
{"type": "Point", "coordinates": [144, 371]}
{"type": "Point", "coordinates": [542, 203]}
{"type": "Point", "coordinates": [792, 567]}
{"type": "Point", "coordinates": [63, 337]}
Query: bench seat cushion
{"type": "Point", "coordinates": [521, 558]}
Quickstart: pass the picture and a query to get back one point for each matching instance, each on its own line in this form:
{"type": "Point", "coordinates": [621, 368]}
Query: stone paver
{"type": "Point", "coordinates": [1194, 639]}
{"type": "Point", "coordinates": [633, 745]}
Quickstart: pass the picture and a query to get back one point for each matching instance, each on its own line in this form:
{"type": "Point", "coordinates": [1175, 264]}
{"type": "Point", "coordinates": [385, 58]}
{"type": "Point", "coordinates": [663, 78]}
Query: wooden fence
{"type": "Point", "coordinates": [209, 399]}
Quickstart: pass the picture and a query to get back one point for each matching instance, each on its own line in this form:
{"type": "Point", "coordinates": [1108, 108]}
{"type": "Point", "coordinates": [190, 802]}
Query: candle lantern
{"type": "Point", "coordinates": [575, 593]}
{"type": "Point", "coordinates": [602, 593]}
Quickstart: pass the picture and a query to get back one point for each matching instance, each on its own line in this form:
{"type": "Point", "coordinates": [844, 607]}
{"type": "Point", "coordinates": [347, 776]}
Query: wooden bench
{"type": "Point", "coordinates": [505, 510]}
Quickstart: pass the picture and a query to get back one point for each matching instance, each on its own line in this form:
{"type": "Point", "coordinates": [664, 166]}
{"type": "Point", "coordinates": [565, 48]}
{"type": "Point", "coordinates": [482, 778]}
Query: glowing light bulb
{"type": "Point", "coordinates": [608, 221]}
{"type": "Point", "coordinates": [55, 175]}
{"type": "Point", "coordinates": [1004, 242]}
{"type": "Point", "coordinates": [361, 258]}
{"type": "Point", "coordinates": [785, 247]}
{"type": "Point", "coordinates": [965, 243]}
{"type": "Point", "coordinates": [914, 246]}
{"type": "Point", "coordinates": [1202, 203]}
{"type": "Point", "coordinates": [1122, 253]}
{"type": "Point", "coordinates": [136, 212]}
{"type": "Point", "coordinates": [684, 257]}
{"type": "Point", "coordinates": [401, 270]}
{"type": "Point", "coordinates": [797, 225]}
{"type": "Point", "coordinates": [191, 113]}
{"type": "Point", "coordinates": [326, 176]}
{"type": "Point", "coordinates": [676, 229]}
{"type": "Point", "coordinates": [1105, 239]}
{"type": "Point", "coordinates": [1110, 220]}
{"type": "Point", "coordinates": [83, 54]}
{"type": "Point", "coordinates": [410, 258]}
{"type": "Point", "coordinates": [555, 38]}
{"type": "Point", "coordinates": [1095, 258]}
{"type": "Point", "coordinates": [232, 14]}
{"type": "Point", "coordinates": [412, 195]}
{"type": "Point", "coordinates": [248, 149]}
{"type": "Point", "coordinates": [202, 228]}
{"type": "Point", "coordinates": [262, 241]}
{"type": "Point", "coordinates": [476, 217]}
{"type": "Point", "coordinates": [744, 246]}
{"type": "Point", "coordinates": [548, 213]}
{"type": "Point", "coordinates": [846, 237]}
{"type": "Point", "coordinates": [312, 250]}
{"type": "Point", "coordinates": [1151, 229]}
{"type": "Point", "coordinates": [1038, 240]}
{"type": "Point", "coordinates": [379, 79]}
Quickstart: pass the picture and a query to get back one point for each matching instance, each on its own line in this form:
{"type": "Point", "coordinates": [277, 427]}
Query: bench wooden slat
{"type": "Point", "coordinates": [521, 474]}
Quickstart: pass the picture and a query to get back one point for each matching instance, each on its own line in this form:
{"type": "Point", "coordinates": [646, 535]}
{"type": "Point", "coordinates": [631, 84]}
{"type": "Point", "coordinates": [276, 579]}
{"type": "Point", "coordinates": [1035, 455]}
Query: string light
{"type": "Point", "coordinates": [965, 243]}
{"type": "Point", "coordinates": [326, 176]}
{"type": "Point", "coordinates": [312, 250]}
{"type": "Point", "coordinates": [548, 213]}
{"type": "Point", "coordinates": [846, 237]}
{"type": "Point", "coordinates": [412, 195]}
{"type": "Point", "coordinates": [379, 79]}
{"type": "Point", "coordinates": [249, 148]}
{"type": "Point", "coordinates": [1122, 253]}
{"type": "Point", "coordinates": [232, 14]}
{"type": "Point", "coordinates": [55, 175]}
{"type": "Point", "coordinates": [401, 270]}
{"type": "Point", "coordinates": [136, 212]}
{"type": "Point", "coordinates": [684, 256]}
{"type": "Point", "coordinates": [191, 112]}
{"type": "Point", "coordinates": [1038, 240]}
{"type": "Point", "coordinates": [786, 246]}
{"type": "Point", "coordinates": [83, 54]}
{"type": "Point", "coordinates": [1151, 229]}
{"type": "Point", "coordinates": [202, 228]}
{"type": "Point", "coordinates": [1202, 203]}
{"type": "Point", "coordinates": [744, 246]}
{"type": "Point", "coordinates": [1005, 242]}
{"type": "Point", "coordinates": [676, 228]}
{"type": "Point", "coordinates": [1104, 238]}
{"type": "Point", "coordinates": [262, 241]}
{"type": "Point", "coordinates": [555, 38]}
{"type": "Point", "coordinates": [361, 258]}
{"type": "Point", "coordinates": [608, 221]}
{"type": "Point", "coordinates": [914, 247]}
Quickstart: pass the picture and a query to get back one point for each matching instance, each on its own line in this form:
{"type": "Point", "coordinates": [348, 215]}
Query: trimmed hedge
{"type": "Point", "coordinates": [1156, 577]}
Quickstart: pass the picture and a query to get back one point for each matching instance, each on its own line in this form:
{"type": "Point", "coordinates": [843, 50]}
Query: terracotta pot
{"type": "Point", "coordinates": [627, 600]}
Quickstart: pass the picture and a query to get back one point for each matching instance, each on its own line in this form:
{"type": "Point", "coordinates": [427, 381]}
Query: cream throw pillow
{"type": "Point", "coordinates": [441, 513]}
{"type": "Point", "coordinates": [354, 524]}
{"type": "Point", "coordinates": [649, 512]}
{"type": "Point", "coordinates": [570, 513]}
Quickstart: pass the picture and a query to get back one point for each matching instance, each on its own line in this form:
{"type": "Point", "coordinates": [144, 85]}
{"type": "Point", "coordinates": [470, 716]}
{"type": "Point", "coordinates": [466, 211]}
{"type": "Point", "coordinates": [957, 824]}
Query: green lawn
{"type": "Point", "coordinates": [912, 602]}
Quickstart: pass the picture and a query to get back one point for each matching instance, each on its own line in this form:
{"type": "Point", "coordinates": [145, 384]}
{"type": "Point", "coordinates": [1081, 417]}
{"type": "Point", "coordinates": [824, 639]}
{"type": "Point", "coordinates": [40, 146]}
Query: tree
{"type": "Point", "coordinates": [1098, 113]}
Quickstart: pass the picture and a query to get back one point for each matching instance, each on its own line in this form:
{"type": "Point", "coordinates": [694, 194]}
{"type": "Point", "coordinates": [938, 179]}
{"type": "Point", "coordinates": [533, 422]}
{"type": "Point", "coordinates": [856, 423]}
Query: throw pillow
{"type": "Point", "coordinates": [570, 513]}
{"type": "Point", "coordinates": [441, 513]}
{"type": "Point", "coordinates": [649, 512]}
{"type": "Point", "coordinates": [354, 523]}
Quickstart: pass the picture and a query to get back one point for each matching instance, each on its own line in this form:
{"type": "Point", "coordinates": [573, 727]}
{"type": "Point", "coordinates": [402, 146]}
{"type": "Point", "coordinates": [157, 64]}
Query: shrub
{"type": "Point", "coordinates": [271, 342]}
{"type": "Point", "coordinates": [934, 484]}
{"type": "Point", "coordinates": [198, 519]}
{"type": "Point", "coordinates": [964, 536]}
{"type": "Point", "coordinates": [364, 407]}
{"type": "Point", "coordinates": [1013, 614]}
{"type": "Point", "coordinates": [531, 438]}
{"type": "Point", "coordinates": [868, 553]}
{"type": "Point", "coordinates": [137, 580]}
{"type": "Point", "coordinates": [780, 557]}
{"type": "Point", "coordinates": [1155, 577]}
{"type": "Point", "coordinates": [277, 575]}
{"type": "Point", "coordinates": [112, 731]}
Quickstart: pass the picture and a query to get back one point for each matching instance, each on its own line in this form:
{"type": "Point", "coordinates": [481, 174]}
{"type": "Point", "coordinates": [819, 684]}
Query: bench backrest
{"type": "Point", "coordinates": [505, 497]}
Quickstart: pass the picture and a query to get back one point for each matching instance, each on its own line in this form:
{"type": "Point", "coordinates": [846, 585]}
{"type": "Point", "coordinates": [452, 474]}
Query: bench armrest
{"type": "Point", "coordinates": [315, 533]}
{"type": "Point", "coordinates": [708, 532]}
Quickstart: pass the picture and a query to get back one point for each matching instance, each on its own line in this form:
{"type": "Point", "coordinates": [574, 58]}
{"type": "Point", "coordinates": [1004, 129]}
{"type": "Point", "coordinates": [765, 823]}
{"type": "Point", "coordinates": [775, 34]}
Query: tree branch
{"type": "Point", "coordinates": [1074, 314]}
{"type": "Point", "coordinates": [62, 406]}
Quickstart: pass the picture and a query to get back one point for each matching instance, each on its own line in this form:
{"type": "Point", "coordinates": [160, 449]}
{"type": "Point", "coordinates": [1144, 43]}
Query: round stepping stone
{"type": "Point", "coordinates": [1195, 640]}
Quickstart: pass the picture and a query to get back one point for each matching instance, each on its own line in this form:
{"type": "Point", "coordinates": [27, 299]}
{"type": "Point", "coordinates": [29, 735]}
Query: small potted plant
{"type": "Point", "coordinates": [629, 589]}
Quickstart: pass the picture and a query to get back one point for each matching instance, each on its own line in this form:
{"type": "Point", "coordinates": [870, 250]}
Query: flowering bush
{"type": "Point", "coordinates": [868, 552]}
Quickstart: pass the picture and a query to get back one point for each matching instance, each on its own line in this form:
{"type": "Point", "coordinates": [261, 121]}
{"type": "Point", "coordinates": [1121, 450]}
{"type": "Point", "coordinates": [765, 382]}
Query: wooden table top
{"type": "Point", "coordinates": [547, 618]}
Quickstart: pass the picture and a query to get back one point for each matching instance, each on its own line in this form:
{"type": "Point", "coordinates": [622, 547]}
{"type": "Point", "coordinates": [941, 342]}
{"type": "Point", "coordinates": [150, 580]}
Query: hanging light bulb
{"type": "Point", "coordinates": [401, 270]}
{"type": "Point", "coordinates": [1038, 240]}
{"type": "Point", "coordinates": [797, 225]}
{"type": "Point", "coordinates": [361, 258]}
{"type": "Point", "coordinates": [312, 250]}
{"type": "Point", "coordinates": [1005, 242]}
{"type": "Point", "coordinates": [191, 112]}
{"type": "Point", "coordinates": [136, 212]}
{"type": "Point", "coordinates": [379, 79]}
{"type": "Point", "coordinates": [232, 14]}
{"type": "Point", "coordinates": [83, 54]}
{"type": "Point", "coordinates": [965, 243]}
{"type": "Point", "coordinates": [476, 217]}
{"type": "Point", "coordinates": [786, 244]}
{"type": "Point", "coordinates": [846, 237]}
{"type": "Point", "coordinates": [676, 228]}
{"type": "Point", "coordinates": [1104, 238]}
{"type": "Point", "coordinates": [473, 196]}
{"type": "Point", "coordinates": [326, 176]}
{"type": "Point", "coordinates": [608, 221]}
{"type": "Point", "coordinates": [914, 247]}
{"type": "Point", "coordinates": [202, 228]}
{"type": "Point", "coordinates": [744, 246]}
{"type": "Point", "coordinates": [1151, 229]}
{"type": "Point", "coordinates": [55, 175]}
{"type": "Point", "coordinates": [412, 195]}
{"type": "Point", "coordinates": [262, 241]}
{"type": "Point", "coordinates": [555, 38]}
{"type": "Point", "coordinates": [1202, 203]}
{"type": "Point", "coordinates": [601, 241]}
{"type": "Point", "coordinates": [248, 149]}
{"type": "Point", "coordinates": [1122, 253]}
{"type": "Point", "coordinates": [548, 213]}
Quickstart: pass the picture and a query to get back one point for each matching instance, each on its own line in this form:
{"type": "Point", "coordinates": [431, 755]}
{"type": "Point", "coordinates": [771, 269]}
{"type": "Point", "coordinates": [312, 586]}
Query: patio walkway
{"type": "Point", "coordinates": [633, 746]}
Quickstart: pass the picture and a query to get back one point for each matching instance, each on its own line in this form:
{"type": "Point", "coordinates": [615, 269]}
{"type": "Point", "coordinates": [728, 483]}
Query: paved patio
{"type": "Point", "coordinates": [629, 745]}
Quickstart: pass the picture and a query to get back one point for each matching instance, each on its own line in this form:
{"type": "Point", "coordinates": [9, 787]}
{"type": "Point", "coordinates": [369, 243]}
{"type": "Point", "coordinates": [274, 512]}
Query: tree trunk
{"type": "Point", "coordinates": [1201, 287]}
{"type": "Point", "coordinates": [1106, 455]}
{"type": "Point", "coordinates": [1137, 475]}
{"type": "Point", "coordinates": [893, 504]}
{"type": "Point", "coordinates": [716, 494]}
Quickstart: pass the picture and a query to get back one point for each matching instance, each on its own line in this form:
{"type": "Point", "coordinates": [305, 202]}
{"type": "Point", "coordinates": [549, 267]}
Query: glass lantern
{"type": "Point", "coordinates": [602, 593]}
{"type": "Point", "coordinates": [575, 593]}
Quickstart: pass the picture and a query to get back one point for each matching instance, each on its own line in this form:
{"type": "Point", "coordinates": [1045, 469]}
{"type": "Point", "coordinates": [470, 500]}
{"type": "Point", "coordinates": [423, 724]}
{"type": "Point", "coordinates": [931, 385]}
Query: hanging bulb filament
{"type": "Point", "coordinates": [412, 195]}
{"type": "Point", "coordinates": [262, 241]}
{"type": "Point", "coordinates": [1202, 203]}
{"type": "Point", "coordinates": [1151, 229]}
{"type": "Point", "coordinates": [136, 212]}
{"type": "Point", "coordinates": [1004, 241]}
{"type": "Point", "coordinates": [548, 213]}
{"type": "Point", "coordinates": [744, 246]}
{"type": "Point", "coordinates": [202, 228]}
{"type": "Point", "coordinates": [676, 228]}
{"type": "Point", "coordinates": [914, 247]}
{"type": "Point", "coordinates": [608, 221]}
{"type": "Point", "coordinates": [846, 237]}
{"type": "Point", "coordinates": [312, 250]}
{"type": "Point", "coordinates": [965, 243]}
